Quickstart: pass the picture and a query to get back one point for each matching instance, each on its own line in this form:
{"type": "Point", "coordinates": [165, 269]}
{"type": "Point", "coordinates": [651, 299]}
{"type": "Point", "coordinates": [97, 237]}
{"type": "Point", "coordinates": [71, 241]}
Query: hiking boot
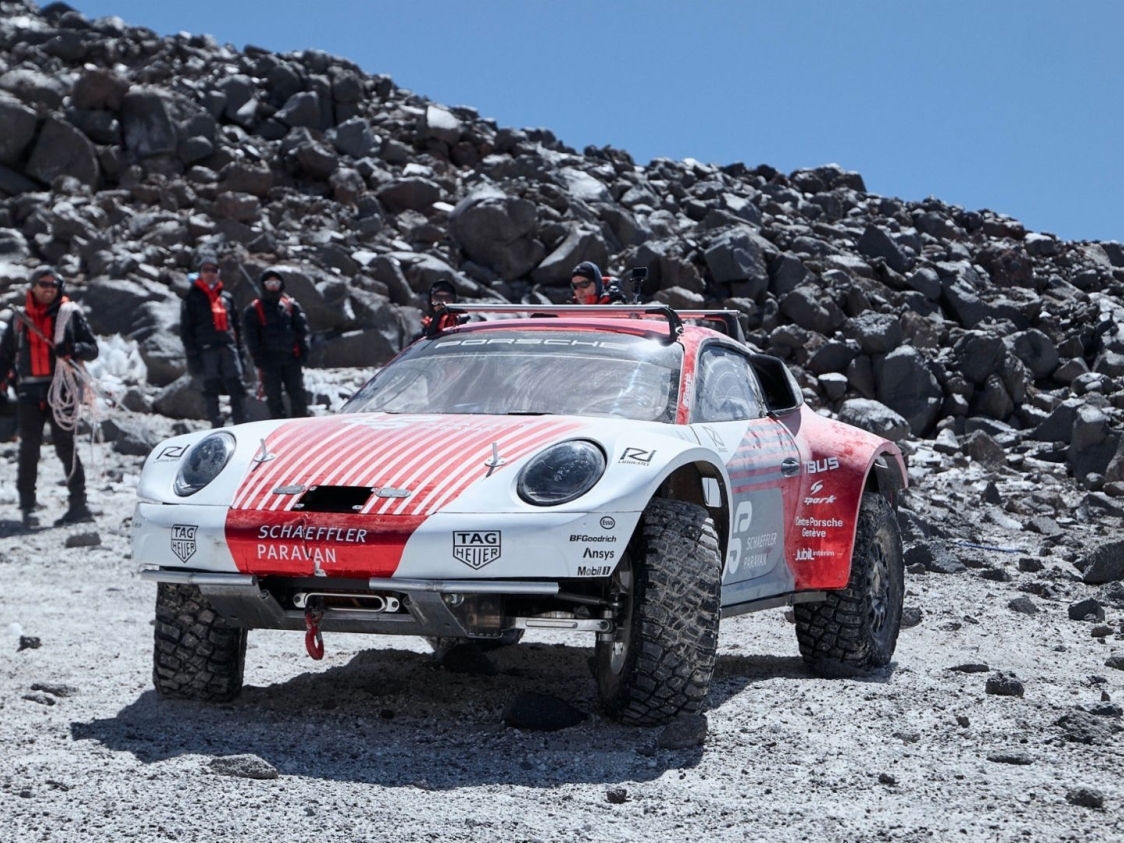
{"type": "Point", "coordinates": [77, 514]}
{"type": "Point", "coordinates": [30, 522]}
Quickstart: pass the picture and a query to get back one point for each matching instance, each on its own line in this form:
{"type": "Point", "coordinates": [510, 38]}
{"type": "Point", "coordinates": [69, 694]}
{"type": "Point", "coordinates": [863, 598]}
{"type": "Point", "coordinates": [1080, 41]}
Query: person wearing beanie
{"type": "Point", "coordinates": [50, 328]}
{"type": "Point", "coordinates": [588, 284]}
{"type": "Point", "coordinates": [441, 294]}
{"type": "Point", "coordinates": [276, 332]}
{"type": "Point", "coordinates": [212, 340]}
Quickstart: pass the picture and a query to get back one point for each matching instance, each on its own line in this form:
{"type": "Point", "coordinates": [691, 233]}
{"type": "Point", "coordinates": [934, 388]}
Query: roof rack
{"type": "Point", "coordinates": [727, 319]}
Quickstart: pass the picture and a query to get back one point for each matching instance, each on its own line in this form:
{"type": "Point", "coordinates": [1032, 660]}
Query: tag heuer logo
{"type": "Point", "coordinates": [476, 549]}
{"type": "Point", "coordinates": [183, 541]}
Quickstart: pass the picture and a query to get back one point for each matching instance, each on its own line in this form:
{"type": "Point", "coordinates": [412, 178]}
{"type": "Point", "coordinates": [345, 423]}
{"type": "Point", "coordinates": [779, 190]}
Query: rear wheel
{"type": "Point", "coordinates": [659, 660]}
{"type": "Point", "coordinates": [197, 655]}
{"type": "Point", "coordinates": [856, 629]}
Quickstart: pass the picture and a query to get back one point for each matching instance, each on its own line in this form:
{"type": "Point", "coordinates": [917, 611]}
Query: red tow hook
{"type": "Point", "coordinates": [313, 640]}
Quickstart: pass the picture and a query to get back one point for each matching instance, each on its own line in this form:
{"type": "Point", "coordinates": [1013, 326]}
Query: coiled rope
{"type": "Point", "coordinates": [72, 395]}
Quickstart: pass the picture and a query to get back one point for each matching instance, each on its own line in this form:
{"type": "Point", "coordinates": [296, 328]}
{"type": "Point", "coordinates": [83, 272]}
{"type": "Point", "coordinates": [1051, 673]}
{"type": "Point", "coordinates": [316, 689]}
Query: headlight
{"type": "Point", "coordinates": [561, 473]}
{"type": "Point", "coordinates": [203, 463]}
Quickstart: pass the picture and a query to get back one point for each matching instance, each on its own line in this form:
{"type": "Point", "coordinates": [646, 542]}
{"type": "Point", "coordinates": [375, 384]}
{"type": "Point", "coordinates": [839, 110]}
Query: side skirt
{"type": "Point", "coordinates": [773, 602]}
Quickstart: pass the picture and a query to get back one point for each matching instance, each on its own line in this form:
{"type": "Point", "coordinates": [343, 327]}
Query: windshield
{"type": "Point", "coordinates": [529, 373]}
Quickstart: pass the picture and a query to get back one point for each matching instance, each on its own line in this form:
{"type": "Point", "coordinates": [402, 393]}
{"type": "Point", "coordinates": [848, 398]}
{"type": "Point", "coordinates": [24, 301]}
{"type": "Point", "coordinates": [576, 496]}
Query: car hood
{"type": "Point", "coordinates": [413, 463]}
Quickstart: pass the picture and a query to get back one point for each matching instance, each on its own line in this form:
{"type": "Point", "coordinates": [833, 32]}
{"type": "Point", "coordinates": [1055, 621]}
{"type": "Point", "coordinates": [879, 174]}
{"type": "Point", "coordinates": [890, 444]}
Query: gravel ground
{"type": "Point", "coordinates": [378, 741]}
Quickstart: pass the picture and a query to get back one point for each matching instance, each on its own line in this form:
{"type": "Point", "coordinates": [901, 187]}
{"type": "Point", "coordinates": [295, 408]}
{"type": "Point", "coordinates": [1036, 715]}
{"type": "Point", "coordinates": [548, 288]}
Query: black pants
{"type": "Point", "coordinates": [32, 415]}
{"type": "Point", "coordinates": [222, 371]}
{"type": "Point", "coordinates": [286, 372]}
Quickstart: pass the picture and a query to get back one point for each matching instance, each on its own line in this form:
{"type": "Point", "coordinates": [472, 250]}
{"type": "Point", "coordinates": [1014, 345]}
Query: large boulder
{"type": "Point", "coordinates": [365, 349]}
{"type": "Point", "coordinates": [63, 150]}
{"type": "Point", "coordinates": [581, 244]}
{"type": "Point", "coordinates": [147, 120]}
{"type": "Point", "coordinates": [734, 256]}
{"type": "Point", "coordinates": [19, 124]}
{"type": "Point", "coordinates": [874, 417]}
{"type": "Point", "coordinates": [907, 386]}
{"type": "Point", "coordinates": [98, 89]}
{"type": "Point", "coordinates": [497, 231]}
{"type": "Point", "coordinates": [181, 399]}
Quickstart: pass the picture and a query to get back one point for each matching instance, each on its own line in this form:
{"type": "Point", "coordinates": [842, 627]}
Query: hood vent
{"type": "Point", "coordinates": [334, 499]}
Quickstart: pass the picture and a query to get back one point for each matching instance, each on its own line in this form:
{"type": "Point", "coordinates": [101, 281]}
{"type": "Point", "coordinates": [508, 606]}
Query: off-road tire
{"type": "Point", "coordinates": [197, 655]}
{"type": "Point", "coordinates": [854, 631]}
{"type": "Point", "coordinates": [660, 660]}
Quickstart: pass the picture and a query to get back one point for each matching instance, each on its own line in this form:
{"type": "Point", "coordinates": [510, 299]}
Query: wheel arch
{"type": "Point", "coordinates": [688, 482]}
{"type": "Point", "coordinates": [886, 475]}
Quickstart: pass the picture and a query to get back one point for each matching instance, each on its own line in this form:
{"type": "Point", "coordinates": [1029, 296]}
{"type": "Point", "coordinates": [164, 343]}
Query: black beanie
{"type": "Point", "coordinates": [442, 285]}
{"type": "Point", "coordinates": [590, 270]}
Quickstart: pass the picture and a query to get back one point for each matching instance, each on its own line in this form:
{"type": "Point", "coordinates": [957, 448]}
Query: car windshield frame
{"type": "Point", "coordinates": [522, 371]}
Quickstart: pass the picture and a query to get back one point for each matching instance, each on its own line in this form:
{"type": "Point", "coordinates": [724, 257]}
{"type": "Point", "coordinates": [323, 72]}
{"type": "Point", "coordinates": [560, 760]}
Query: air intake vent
{"type": "Point", "coordinates": [334, 498]}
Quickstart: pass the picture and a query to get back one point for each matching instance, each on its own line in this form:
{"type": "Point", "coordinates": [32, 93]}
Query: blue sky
{"type": "Point", "coordinates": [1012, 105]}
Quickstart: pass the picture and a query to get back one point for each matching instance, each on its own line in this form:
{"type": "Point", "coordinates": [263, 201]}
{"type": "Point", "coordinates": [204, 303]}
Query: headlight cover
{"type": "Point", "coordinates": [561, 473]}
{"type": "Point", "coordinates": [203, 463]}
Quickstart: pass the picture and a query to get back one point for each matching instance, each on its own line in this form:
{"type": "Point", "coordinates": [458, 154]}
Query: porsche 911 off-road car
{"type": "Point", "coordinates": [624, 471]}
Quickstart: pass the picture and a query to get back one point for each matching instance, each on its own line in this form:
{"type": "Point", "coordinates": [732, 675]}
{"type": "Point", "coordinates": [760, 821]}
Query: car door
{"type": "Point", "coordinates": [728, 413]}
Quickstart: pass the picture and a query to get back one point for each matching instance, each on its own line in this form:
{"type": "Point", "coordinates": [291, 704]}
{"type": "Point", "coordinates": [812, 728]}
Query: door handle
{"type": "Point", "coordinates": [790, 466]}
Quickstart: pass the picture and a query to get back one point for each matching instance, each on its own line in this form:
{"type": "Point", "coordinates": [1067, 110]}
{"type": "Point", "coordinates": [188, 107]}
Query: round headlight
{"type": "Point", "coordinates": [203, 463]}
{"type": "Point", "coordinates": [561, 473]}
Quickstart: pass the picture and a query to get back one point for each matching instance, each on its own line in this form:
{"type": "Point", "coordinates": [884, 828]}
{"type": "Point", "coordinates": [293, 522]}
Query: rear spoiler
{"type": "Point", "coordinates": [725, 321]}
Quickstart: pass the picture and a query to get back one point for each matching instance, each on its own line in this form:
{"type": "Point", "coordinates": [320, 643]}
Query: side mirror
{"type": "Point", "coordinates": [782, 392]}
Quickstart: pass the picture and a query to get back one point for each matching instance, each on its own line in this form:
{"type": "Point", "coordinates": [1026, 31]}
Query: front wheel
{"type": "Point", "coordinates": [667, 587]}
{"type": "Point", "coordinates": [197, 655]}
{"type": "Point", "coordinates": [856, 629]}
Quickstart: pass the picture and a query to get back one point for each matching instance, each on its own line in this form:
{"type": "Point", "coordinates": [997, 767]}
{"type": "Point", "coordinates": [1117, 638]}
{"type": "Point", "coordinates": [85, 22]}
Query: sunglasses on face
{"type": "Point", "coordinates": [272, 282]}
{"type": "Point", "coordinates": [47, 285]}
{"type": "Point", "coordinates": [441, 297]}
{"type": "Point", "coordinates": [580, 285]}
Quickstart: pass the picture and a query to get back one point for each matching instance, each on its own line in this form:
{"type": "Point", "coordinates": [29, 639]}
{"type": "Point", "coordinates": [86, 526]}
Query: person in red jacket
{"type": "Point", "coordinates": [49, 329]}
{"type": "Point", "coordinates": [212, 341]}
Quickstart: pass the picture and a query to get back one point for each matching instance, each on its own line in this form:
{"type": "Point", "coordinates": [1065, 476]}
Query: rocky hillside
{"type": "Point", "coordinates": [124, 154]}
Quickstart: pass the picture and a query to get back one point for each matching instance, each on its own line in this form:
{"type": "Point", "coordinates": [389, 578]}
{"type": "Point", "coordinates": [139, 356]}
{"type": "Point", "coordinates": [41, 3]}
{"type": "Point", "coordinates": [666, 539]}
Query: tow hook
{"type": "Point", "coordinates": [313, 640]}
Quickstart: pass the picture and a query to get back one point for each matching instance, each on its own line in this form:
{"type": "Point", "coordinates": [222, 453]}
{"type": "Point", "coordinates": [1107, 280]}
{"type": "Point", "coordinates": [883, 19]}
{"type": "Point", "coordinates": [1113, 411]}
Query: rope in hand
{"type": "Point", "coordinates": [71, 392]}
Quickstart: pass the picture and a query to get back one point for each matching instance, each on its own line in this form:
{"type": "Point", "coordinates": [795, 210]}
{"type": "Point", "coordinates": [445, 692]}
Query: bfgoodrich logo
{"type": "Point", "coordinates": [476, 549]}
{"type": "Point", "coordinates": [183, 541]}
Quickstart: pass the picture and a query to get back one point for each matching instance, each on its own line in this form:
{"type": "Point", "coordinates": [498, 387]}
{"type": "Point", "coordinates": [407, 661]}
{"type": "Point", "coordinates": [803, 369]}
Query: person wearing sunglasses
{"type": "Point", "coordinates": [276, 331]}
{"type": "Point", "coordinates": [588, 284]}
{"type": "Point", "coordinates": [49, 328]}
{"type": "Point", "coordinates": [441, 294]}
{"type": "Point", "coordinates": [212, 340]}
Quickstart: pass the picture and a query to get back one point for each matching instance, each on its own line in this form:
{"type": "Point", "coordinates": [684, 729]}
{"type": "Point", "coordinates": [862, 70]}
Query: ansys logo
{"type": "Point", "coordinates": [183, 541]}
{"type": "Point", "coordinates": [476, 549]}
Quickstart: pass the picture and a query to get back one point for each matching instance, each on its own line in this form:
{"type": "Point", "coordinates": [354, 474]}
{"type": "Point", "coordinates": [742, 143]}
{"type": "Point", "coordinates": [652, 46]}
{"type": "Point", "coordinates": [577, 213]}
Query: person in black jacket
{"type": "Point", "coordinates": [441, 294]}
{"type": "Point", "coordinates": [50, 328]}
{"type": "Point", "coordinates": [212, 340]}
{"type": "Point", "coordinates": [276, 332]}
